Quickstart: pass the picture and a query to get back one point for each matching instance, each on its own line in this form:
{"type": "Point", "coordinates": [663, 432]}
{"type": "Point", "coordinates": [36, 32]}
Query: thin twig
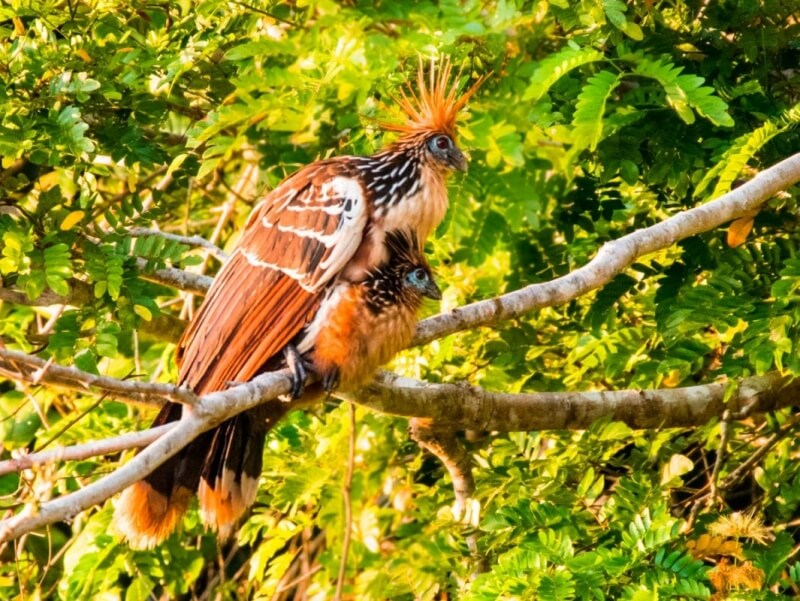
{"type": "Point", "coordinates": [106, 446]}
{"type": "Point", "coordinates": [301, 578]}
{"type": "Point", "coordinates": [219, 578]}
{"type": "Point", "coordinates": [66, 426]}
{"type": "Point", "coordinates": [212, 248]}
{"type": "Point", "coordinates": [758, 454]}
{"type": "Point", "coordinates": [289, 580]}
{"type": "Point", "coordinates": [347, 489]}
{"type": "Point", "coordinates": [175, 278]}
{"type": "Point", "coordinates": [33, 370]}
{"type": "Point", "coordinates": [723, 447]}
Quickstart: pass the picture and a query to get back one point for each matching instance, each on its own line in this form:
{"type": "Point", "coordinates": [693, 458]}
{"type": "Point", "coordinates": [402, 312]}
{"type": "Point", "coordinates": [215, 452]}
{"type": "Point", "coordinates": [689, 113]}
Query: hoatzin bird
{"type": "Point", "coordinates": [323, 275]}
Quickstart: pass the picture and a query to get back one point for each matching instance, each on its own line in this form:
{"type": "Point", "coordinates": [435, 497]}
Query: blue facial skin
{"type": "Point", "coordinates": [418, 278]}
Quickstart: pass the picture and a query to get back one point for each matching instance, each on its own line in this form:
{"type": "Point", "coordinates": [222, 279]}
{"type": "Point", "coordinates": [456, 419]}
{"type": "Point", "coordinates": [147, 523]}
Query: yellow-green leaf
{"type": "Point", "coordinates": [71, 220]}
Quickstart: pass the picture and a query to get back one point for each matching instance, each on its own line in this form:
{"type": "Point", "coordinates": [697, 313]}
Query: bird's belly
{"type": "Point", "coordinates": [356, 342]}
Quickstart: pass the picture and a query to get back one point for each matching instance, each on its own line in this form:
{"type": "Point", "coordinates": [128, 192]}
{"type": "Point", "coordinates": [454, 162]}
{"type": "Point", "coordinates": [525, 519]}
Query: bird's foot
{"type": "Point", "coordinates": [330, 381]}
{"type": "Point", "coordinates": [297, 367]}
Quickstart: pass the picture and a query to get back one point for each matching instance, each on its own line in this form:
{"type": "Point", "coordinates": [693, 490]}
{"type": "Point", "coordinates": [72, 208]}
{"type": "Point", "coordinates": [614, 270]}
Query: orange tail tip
{"type": "Point", "coordinates": [435, 104]}
{"type": "Point", "coordinates": [145, 517]}
{"type": "Point", "coordinates": [222, 507]}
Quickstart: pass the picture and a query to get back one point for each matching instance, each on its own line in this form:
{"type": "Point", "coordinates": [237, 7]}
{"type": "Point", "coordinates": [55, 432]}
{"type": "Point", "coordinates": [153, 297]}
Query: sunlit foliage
{"type": "Point", "coordinates": [600, 117]}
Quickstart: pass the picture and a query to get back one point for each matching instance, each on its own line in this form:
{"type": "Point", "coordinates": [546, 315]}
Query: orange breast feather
{"type": "Point", "coordinates": [357, 342]}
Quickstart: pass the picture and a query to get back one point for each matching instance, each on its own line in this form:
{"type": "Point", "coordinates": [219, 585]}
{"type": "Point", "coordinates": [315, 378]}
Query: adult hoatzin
{"type": "Point", "coordinates": [324, 275]}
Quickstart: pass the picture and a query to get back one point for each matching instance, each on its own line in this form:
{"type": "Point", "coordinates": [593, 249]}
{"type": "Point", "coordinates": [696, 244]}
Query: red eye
{"type": "Point", "coordinates": [442, 142]}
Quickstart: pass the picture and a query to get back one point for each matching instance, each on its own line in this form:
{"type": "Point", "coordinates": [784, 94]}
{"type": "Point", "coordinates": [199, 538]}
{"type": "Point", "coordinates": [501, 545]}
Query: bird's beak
{"type": "Point", "coordinates": [458, 160]}
{"type": "Point", "coordinates": [432, 291]}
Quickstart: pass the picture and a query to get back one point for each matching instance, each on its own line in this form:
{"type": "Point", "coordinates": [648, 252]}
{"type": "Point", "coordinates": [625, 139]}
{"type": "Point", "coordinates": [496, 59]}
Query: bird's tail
{"type": "Point", "coordinates": [229, 478]}
{"type": "Point", "coordinates": [148, 510]}
{"type": "Point", "coordinates": [221, 465]}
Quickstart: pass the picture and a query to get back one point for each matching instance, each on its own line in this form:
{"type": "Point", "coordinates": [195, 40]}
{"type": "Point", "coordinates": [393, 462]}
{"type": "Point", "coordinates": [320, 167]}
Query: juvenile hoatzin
{"type": "Point", "coordinates": [323, 275]}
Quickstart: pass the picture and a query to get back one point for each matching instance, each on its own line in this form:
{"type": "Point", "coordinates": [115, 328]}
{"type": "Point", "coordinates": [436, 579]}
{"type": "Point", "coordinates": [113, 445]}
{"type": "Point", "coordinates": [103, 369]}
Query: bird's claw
{"type": "Point", "coordinates": [330, 380]}
{"type": "Point", "coordinates": [299, 372]}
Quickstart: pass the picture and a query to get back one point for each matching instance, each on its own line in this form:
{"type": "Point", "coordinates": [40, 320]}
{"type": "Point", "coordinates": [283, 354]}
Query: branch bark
{"type": "Point", "coordinates": [33, 370]}
{"type": "Point", "coordinates": [463, 407]}
{"type": "Point", "coordinates": [164, 327]}
{"type": "Point", "coordinates": [175, 278]}
{"type": "Point", "coordinates": [106, 446]}
{"type": "Point", "coordinates": [209, 411]}
{"type": "Point", "coordinates": [212, 248]}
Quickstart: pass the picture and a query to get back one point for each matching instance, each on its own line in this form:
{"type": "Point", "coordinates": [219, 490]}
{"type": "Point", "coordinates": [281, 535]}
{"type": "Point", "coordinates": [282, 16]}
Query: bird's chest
{"type": "Point", "coordinates": [357, 341]}
{"type": "Point", "coordinates": [377, 338]}
{"type": "Point", "coordinates": [422, 209]}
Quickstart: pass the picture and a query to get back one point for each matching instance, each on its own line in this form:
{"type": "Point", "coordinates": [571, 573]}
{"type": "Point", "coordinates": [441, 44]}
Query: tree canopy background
{"type": "Point", "coordinates": [601, 117]}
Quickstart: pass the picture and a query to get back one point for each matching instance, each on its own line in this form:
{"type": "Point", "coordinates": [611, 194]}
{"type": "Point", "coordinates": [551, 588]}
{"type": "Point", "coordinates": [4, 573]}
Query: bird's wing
{"type": "Point", "coordinates": [295, 242]}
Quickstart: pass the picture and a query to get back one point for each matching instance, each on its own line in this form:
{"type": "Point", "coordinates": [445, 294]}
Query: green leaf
{"type": "Point", "coordinates": [589, 111]}
{"type": "Point", "coordinates": [685, 92]}
{"type": "Point", "coordinates": [58, 268]}
{"type": "Point", "coordinates": [744, 148]}
{"type": "Point", "coordinates": [73, 130]}
{"type": "Point", "coordinates": [555, 66]}
{"type": "Point", "coordinates": [19, 421]}
{"type": "Point", "coordinates": [140, 589]}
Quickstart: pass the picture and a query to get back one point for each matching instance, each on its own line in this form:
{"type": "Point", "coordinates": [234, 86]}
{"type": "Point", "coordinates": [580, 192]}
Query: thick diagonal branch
{"type": "Point", "coordinates": [616, 256]}
{"type": "Point", "coordinates": [209, 411]}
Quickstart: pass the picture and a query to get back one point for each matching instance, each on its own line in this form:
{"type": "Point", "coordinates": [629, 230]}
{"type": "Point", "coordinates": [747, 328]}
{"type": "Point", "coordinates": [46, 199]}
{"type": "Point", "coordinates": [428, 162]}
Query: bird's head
{"type": "Point", "coordinates": [432, 108]}
{"type": "Point", "coordinates": [405, 270]}
{"type": "Point", "coordinates": [443, 150]}
{"type": "Point", "coordinates": [419, 280]}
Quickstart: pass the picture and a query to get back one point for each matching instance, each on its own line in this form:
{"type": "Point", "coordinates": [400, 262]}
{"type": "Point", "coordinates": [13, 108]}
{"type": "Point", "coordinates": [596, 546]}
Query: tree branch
{"type": "Point", "coordinates": [616, 256]}
{"type": "Point", "coordinates": [209, 411]}
{"type": "Point", "coordinates": [441, 441]}
{"type": "Point", "coordinates": [33, 370]}
{"type": "Point", "coordinates": [187, 240]}
{"type": "Point", "coordinates": [443, 444]}
{"type": "Point", "coordinates": [463, 407]}
{"type": "Point", "coordinates": [79, 293]}
{"type": "Point", "coordinates": [175, 278]}
{"type": "Point", "coordinates": [106, 446]}
{"type": "Point", "coordinates": [164, 327]}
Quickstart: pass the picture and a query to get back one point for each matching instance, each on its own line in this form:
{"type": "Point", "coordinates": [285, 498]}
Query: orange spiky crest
{"type": "Point", "coordinates": [435, 105]}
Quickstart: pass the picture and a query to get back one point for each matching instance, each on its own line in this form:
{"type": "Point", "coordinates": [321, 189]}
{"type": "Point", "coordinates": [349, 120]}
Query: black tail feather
{"type": "Point", "coordinates": [222, 465]}
{"type": "Point", "coordinates": [233, 464]}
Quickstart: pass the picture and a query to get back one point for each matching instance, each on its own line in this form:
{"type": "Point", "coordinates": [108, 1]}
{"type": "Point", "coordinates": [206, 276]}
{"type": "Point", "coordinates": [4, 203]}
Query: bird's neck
{"type": "Point", "coordinates": [420, 208]}
{"type": "Point", "coordinates": [408, 190]}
